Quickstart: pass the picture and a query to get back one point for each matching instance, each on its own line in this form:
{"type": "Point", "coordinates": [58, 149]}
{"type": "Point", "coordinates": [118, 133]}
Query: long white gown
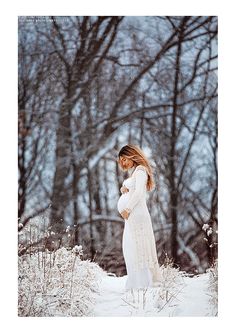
{"type": "Point", "coordinates": [138, 242]}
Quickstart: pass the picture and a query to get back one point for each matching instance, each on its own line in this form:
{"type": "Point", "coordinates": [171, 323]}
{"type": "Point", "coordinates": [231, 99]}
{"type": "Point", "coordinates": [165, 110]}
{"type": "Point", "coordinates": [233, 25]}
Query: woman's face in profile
{"type": "Point", "coordinates": [125, 162]}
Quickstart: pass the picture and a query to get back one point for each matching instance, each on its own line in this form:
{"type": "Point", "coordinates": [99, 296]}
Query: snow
{"type": "Point", "coordinates": [62, 284]}
{"type": "Point", "coordinates": [191, 299]}
{"type": "Point", "coordinates": [194, 299]}
{"type": "Point", "coordinates": [57, 284]}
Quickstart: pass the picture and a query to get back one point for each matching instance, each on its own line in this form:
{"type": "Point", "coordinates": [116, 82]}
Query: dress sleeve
{"type": "Point", "coordinates": [140, 184]}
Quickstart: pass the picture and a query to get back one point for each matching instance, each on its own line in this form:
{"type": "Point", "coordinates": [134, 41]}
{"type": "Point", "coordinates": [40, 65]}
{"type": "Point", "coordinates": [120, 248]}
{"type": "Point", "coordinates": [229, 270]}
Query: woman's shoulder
{"type": "Point", "coordinates": [140, 167]}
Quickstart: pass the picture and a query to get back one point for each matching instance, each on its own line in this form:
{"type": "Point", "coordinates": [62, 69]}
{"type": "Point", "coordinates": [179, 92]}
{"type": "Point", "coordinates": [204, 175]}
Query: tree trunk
{"type": "Point", "coordinates": [172, 165]}
{"type": "Point", "coordinates": [75, 204]}
{"type": "Point", "coordinates": [62, 161]}
{"type": "Point", "coordinates": [89, 180]}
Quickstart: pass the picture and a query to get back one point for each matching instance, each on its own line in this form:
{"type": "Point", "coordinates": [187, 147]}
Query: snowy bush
{"type": "Point", "coordinates": [211, 235]}
{"type": "Point", "coordinates": [157, 301]}
{"type": "Point", "coordinates": [213, 288]}
{"type": "Point", "coordinates": [172, 284]}
{"type": "Point", "coordinates": [57, 283]}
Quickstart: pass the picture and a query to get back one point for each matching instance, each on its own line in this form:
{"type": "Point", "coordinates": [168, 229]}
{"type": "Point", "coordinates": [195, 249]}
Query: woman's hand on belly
{"type": "Point", "coordinates": [125, 214]}
{"type": "Point", "coordinates": [124, 189]}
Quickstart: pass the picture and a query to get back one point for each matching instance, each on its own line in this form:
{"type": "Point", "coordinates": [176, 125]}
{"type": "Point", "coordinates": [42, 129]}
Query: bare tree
{"type": "Point", "coordinates": [99, 82]}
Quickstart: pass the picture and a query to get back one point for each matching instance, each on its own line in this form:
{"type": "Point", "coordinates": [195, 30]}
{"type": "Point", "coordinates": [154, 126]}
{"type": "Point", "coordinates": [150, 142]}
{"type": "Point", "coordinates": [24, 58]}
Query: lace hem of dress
{"type": "Point", "coordinates": [145, 251]}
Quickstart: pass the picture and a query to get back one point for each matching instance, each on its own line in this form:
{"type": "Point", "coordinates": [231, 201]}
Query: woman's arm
{"type": "Point", "coordinates": [140, 185]}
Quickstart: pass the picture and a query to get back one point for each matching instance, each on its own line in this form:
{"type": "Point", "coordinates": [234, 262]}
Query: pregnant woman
{"type": "Point", "coordinates": [138, 241]}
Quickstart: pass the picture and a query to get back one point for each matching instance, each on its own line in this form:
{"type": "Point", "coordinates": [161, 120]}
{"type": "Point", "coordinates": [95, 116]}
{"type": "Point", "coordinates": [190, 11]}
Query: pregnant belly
{"type": "Point", "coordinates": [122, 202]}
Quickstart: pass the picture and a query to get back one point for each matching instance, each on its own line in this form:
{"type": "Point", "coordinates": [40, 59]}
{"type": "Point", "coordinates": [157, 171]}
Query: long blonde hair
{"type": "Point", "coordinates": [135, 154]}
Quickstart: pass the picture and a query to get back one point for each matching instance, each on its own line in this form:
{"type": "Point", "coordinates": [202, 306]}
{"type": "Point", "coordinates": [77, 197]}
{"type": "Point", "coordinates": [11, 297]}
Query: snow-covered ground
{"type": "Point", "coordinates": [61, 284]}
{"type": "Point", "coordinates": [190, 298]}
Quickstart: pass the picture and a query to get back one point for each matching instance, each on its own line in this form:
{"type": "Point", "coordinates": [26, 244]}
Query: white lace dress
{"type": "Point", "coordinates": [138, 243]}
